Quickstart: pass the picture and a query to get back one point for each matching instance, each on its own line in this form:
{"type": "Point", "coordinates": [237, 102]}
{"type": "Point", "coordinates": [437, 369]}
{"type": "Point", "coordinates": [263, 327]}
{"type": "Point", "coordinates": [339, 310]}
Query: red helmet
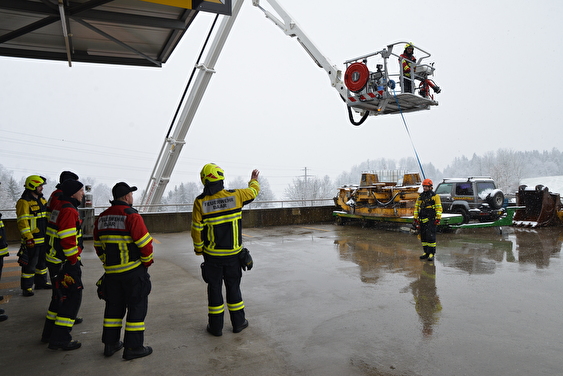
{"type": "Point", "coordinates": [427, 182]}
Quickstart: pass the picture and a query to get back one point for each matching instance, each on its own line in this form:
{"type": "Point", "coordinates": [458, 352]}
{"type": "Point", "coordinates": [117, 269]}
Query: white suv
{"type": "Point", "coordinates": [474, 198]}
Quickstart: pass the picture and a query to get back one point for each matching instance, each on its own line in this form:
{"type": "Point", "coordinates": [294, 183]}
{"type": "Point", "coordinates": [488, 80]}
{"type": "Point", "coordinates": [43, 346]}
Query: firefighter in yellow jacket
{"type": "Point", "coordinates": [427, 215]}
{"type": "Point", "coordinates": [31, 214]}
{"type": "Point", "coordinates": [217, 235]}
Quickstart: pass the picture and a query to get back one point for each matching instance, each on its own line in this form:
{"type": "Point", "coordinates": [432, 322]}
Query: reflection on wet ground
{"type": "Point", "coordinates": [333, 300]}
{"type": "Point", "coordinates": [489, 304]}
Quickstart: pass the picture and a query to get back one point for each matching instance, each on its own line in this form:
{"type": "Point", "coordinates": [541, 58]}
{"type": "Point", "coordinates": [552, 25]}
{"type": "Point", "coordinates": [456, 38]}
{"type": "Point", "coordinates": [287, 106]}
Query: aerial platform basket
{"type": "Point", "coordinates": [377, 86]}
{"type": "Point", "coordinates": [392, 104]}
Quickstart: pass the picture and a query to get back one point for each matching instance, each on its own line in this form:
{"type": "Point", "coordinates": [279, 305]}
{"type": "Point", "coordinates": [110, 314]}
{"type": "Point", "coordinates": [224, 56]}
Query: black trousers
{"type": "Point", "coordinates": [407, 83]}
{"type": "Point", "coordinates": [53, 305]}
{"type": "Point", "coordinates": [68, 287]}
{"type": "Point", "coordinates": [216, 271]}
{"type": "Point", "coordinates": [35, 272]}
{"type": "Point", "coordinates": [428, 236]}
{"type": "Point", "coordinates": [126, 293]}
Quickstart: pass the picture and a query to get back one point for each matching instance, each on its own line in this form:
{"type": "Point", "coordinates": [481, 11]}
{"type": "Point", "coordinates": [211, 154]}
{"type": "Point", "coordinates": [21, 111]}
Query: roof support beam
{"type": "Point", "coordinates": [65, 31]}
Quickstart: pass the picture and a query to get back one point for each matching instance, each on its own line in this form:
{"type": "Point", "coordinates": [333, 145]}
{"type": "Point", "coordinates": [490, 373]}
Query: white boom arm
{"type": "Point", "coordinates": [364, 100]}
{"type": "Point", "coordinates": [292, 29]}
{"type": "Point", "coordinates": [173, 144]}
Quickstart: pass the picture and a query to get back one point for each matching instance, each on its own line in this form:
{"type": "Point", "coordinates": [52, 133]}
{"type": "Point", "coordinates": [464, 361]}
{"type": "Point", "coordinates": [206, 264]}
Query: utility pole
{"type": "Point", "coordinates": [306, 188]}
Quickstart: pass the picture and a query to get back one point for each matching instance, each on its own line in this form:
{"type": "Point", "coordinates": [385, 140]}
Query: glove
{"type": "Point", "coordinates": [198, 253]}
{"type": "Point", "coordinates": [22, 256]}
{"type": "Point", "coordinates": [101, 287]}
{"type": "Point", "coordinates": [246, 262]}
{"type": "Point", "coordinates": [67, 280]}
{"type": "Point", "coordinates": [30, 243]}
{"type": "Point", "coordinates": [437, 222]}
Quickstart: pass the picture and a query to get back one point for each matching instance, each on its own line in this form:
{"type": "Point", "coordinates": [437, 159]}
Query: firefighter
{"type": "Point", "coordinates": [427, 215]}
{"type": "Point", "coordinates": [55, 255]}
{"type": "Point", "coordinates": [54, 262]}
{"type": "Point", "coordinates": [68, 281]}
{"type": "Point", "coordinates": [3, 253]}
{"type": "Point", "coordinates": [407, 63]}
{"type": "Point", "coordinates": [31, 215]}
{"type": "Point", "coordinates": [217, 235]}
{"type": "Point", "coordinates": [124, 246]}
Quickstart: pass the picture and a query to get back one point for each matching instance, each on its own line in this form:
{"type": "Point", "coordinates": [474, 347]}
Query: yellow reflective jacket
{"type": "Point", "coordinates": [216, 220]}
{"type": "Point", "coordinates": [428, 206]}
{"type": "Point", "coordinates": [3, 243]}
{"type": "Point", "coordinates": [31, 215]}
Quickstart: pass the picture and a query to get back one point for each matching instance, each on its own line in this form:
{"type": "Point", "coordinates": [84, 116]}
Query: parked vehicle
{"type": "Point", "coordinates": [475, 198]}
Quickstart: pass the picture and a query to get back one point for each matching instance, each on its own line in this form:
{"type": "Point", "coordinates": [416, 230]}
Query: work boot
{"type": "Point", "coordinates": [137, 352]}
{"type": "Point", "coordinates": [216, 333]}
{"type": "Point", "coordinates": [239, 329]}
{"type": "Point", "coordinates": [424, 256]}
{"type": "Point", "coordinates": [2, 311]}
{"type": "Point", "coordinates": [431, 257]}
{"type": "Point", "coordinates": [3, 317]}
{"type": "Point", "coordinates": [110, 349]}
{"type": "Point", "coordinates": [28, 292]}
{"type": "Point", "coordinates": [72, 345]}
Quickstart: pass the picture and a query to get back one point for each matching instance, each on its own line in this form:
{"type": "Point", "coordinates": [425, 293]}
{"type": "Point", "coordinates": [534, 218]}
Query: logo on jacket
{"type": "Point", "coordinates": [222, 203]}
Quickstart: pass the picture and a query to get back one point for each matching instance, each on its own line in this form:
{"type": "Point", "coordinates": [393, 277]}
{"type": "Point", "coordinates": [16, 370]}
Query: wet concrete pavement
{"type": "Point", "coordinates": [327, 300]}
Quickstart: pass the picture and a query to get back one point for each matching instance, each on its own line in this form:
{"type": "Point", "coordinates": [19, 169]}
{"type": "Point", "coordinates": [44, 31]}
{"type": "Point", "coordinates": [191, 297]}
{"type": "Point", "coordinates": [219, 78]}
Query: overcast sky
{"type": "Point", "coordinates": [270, 107]}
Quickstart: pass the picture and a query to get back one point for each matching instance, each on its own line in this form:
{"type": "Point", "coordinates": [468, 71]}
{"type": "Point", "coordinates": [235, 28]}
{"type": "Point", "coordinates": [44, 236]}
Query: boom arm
{"type": "Point", "coordinates": [173, 144]}
{"type": "Point", "coordinates": [292, 29]}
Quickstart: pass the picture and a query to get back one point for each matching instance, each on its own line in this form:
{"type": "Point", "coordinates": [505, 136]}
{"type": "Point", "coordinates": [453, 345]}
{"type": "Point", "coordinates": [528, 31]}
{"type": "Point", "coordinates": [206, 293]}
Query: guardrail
{"type": "Point", "coordinates": [179, 221]}
{"type": "Point", "coordinates": [180, 208]}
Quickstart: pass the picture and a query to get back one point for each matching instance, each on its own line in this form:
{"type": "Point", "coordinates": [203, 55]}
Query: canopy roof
{"type": "Point", "coordinates": [126, 32]}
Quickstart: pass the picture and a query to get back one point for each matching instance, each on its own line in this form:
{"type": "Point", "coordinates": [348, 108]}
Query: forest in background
{"type": "Point", "coordinates": [507, 167]}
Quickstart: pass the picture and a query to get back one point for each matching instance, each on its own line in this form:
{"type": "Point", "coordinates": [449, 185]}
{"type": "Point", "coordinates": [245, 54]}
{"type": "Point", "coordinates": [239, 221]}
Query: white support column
{"type": "Point", "coordinates": [173, 145]}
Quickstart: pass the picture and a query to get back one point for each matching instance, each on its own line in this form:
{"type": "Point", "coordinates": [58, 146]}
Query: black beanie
{"type": "Point", "coordinates": [67, 175]}
{"type": "Point", "coordinates": [70, 187]}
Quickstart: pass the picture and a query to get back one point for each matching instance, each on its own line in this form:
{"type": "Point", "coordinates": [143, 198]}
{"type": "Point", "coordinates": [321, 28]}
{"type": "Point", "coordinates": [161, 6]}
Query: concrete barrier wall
{"type": "Point", "coordinates": [181, 221]}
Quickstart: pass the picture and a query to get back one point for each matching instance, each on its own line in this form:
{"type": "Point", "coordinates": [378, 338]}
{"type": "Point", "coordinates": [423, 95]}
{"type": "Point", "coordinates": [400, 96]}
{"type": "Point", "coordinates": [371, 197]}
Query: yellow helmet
{"type": "Point", "coordinates": [409, 45]}
{"type": "Point", "coordinates": [211, 173]}
{"type": "Point", "coordinates": [34, 181]}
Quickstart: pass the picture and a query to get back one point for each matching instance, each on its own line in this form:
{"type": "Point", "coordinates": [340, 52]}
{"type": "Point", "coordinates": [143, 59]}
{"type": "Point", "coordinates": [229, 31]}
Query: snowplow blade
{"type": "Point", "coordinates": [541, 207]}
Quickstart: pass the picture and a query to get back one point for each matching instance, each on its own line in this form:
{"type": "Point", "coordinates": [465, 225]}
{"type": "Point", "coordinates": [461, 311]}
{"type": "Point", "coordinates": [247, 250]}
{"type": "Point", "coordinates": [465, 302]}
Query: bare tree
{"type": "Point", "coordinates": [311, 188]}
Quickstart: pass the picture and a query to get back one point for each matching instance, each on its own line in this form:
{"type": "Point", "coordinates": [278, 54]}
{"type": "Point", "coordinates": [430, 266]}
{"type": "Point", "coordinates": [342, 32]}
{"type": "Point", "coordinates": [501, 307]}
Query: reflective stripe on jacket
{"type": "Point", "coordinates": [216, 220]}
{"type": "Point", "coordinates": [3, 243]}
{"type": "Point", "coordinates": [65, 233]}
{"type": "Point", "coordinates": [121, 239]}
{"type": "Point", "coordinates": [428, 205]}
{"type": "Point", "coordinates": [406, 62]}
{"type": "Point", "coordinates": [32, 217]}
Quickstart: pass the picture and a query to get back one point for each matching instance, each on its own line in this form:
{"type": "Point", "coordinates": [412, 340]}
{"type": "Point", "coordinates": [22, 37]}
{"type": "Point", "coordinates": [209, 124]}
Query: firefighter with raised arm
{"type": "Point", "coordinates": [217, 235]}
{"type": "Point", "coordinates": [31, 212]}
{"type": "Point", "coordinates": [427, 215]}
{"type": "Point", "coordinates": [124, 246]}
